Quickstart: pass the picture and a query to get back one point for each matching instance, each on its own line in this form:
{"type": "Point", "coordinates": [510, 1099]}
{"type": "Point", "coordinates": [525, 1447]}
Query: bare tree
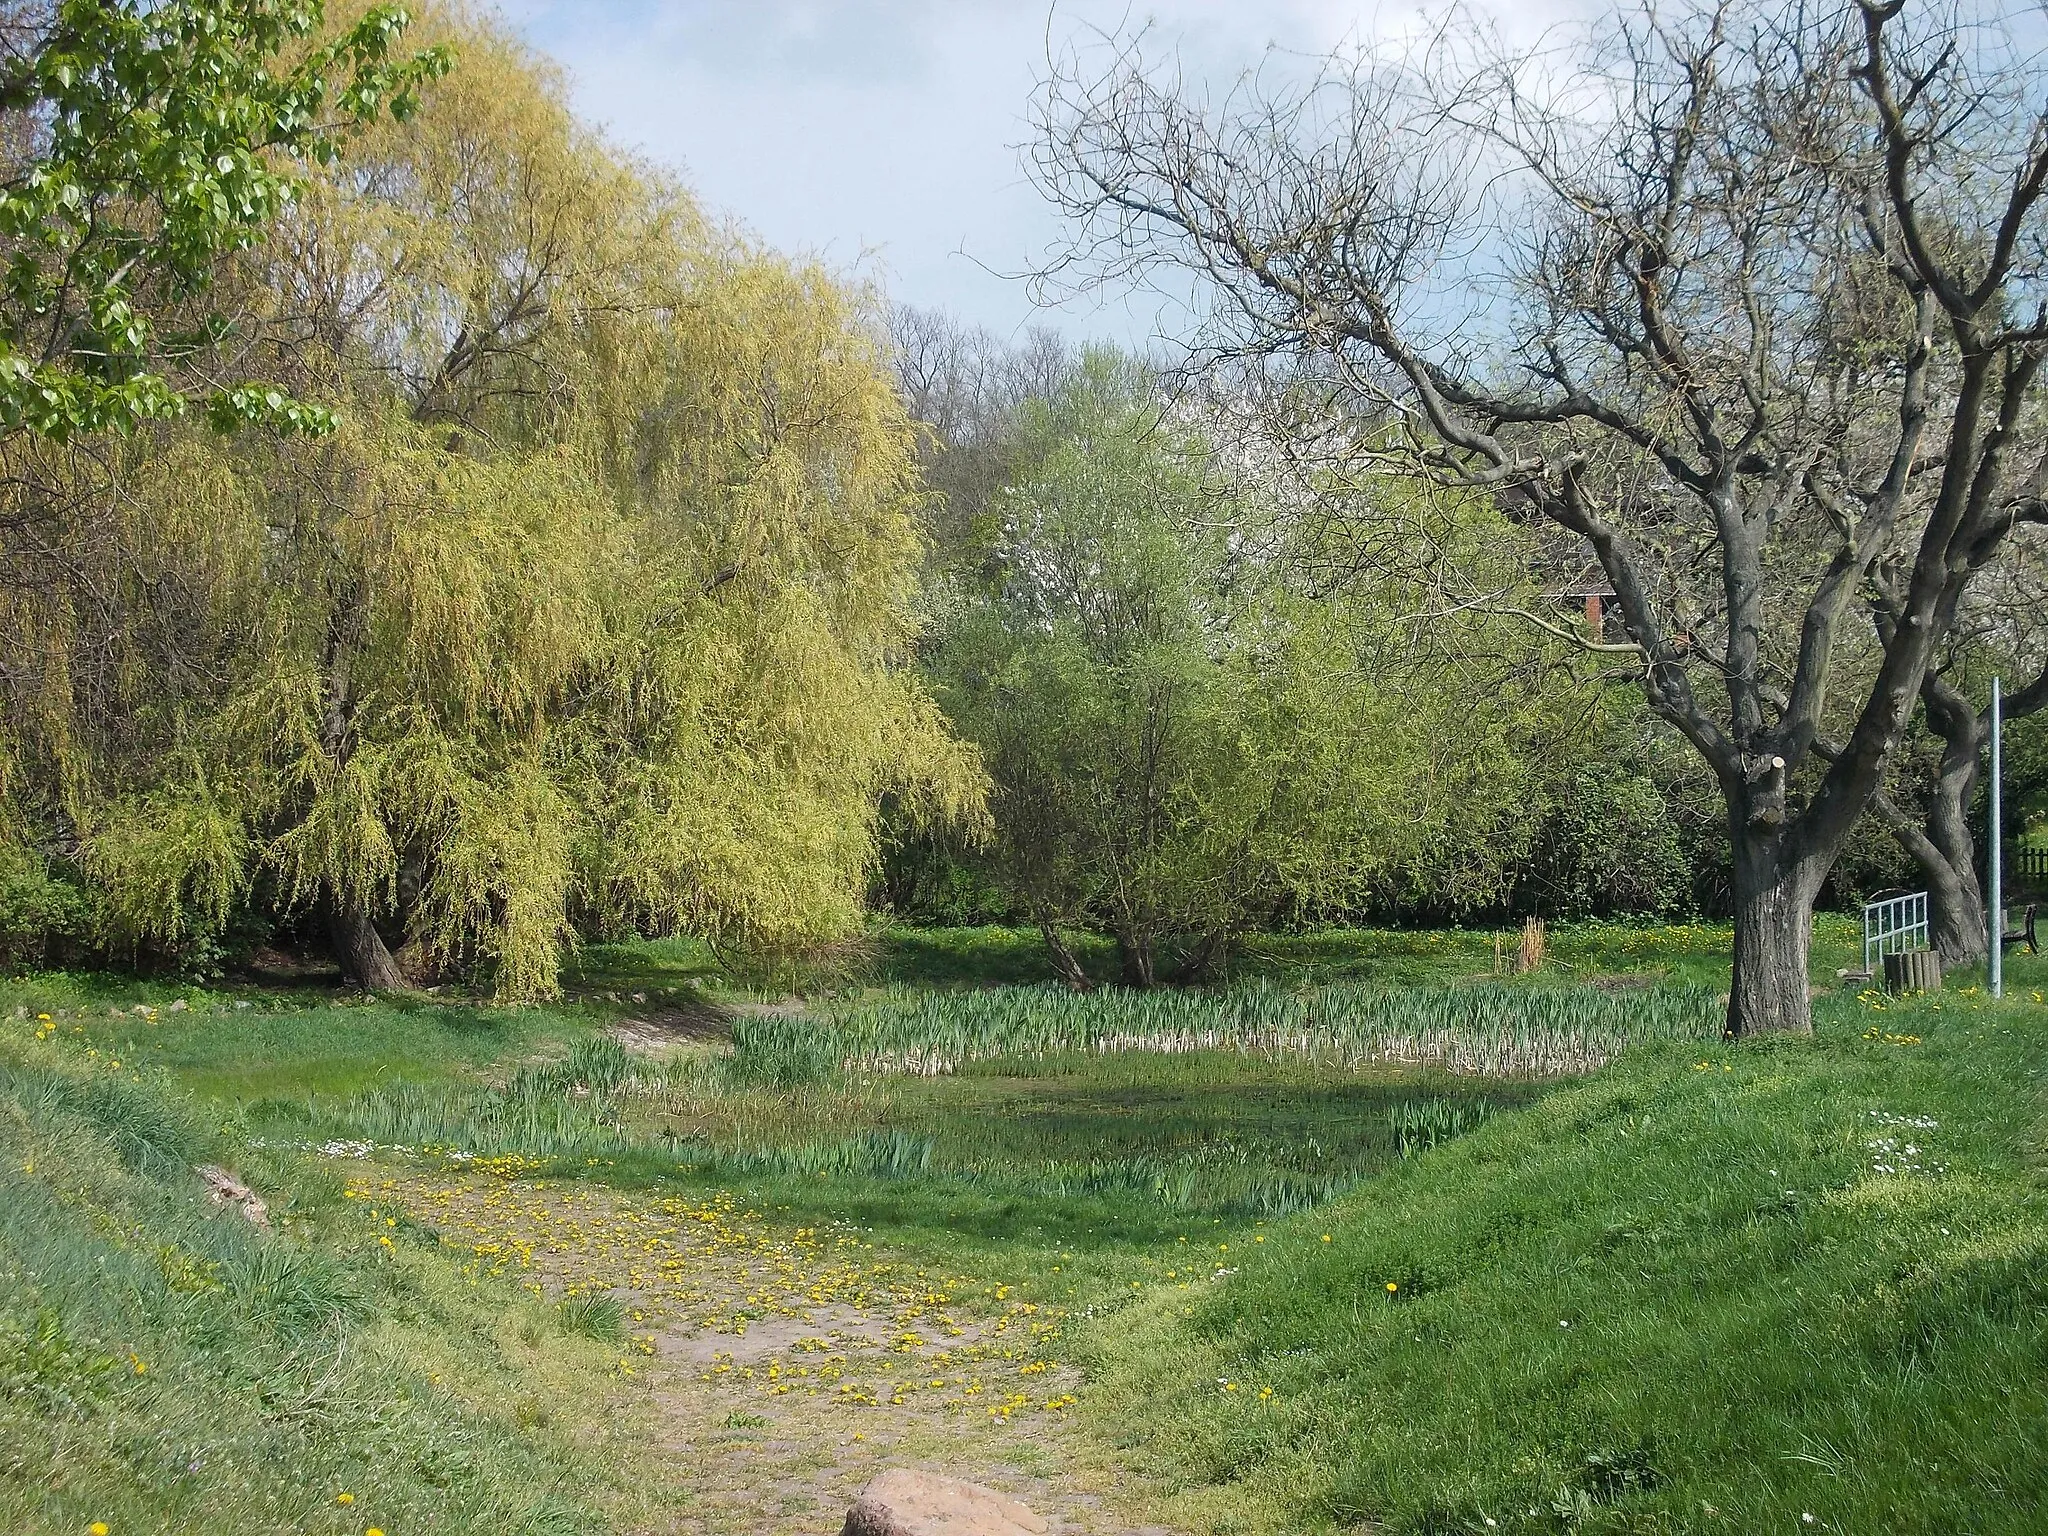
{"type": "Point", "coordinates": [1746, 301]}
{"type": "Point", "coordinates": [2003, 627]}
{"type": "Point", "coordinates": [965, 385]}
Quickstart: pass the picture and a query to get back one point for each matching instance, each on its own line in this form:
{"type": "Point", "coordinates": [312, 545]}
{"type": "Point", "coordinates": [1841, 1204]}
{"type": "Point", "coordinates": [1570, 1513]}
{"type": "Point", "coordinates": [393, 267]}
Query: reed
{"type": "Point", "coordinates": [1492, 1030]}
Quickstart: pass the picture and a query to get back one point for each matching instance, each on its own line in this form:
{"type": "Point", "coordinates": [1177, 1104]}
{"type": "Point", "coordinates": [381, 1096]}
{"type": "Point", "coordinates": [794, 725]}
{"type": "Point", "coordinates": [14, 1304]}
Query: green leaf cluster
{"type": "Point", "coordinates": [149, 139]}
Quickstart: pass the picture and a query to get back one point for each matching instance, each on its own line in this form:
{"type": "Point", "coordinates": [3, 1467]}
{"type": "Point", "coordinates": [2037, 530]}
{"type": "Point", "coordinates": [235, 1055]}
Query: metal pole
{"type": "Point", "coordinates": [1997, 852]}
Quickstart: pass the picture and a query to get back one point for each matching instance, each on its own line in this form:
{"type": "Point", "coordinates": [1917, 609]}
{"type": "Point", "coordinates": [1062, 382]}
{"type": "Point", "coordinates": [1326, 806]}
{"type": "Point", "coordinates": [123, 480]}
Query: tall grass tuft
{"type": "Point", "coordinates": [151, 1132]}
{"type": "Point", "coordinates": [593, 1315]}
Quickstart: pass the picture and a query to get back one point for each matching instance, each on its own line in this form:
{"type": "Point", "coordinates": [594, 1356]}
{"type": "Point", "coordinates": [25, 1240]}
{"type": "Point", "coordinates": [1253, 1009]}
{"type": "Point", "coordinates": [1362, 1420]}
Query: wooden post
{"type": "Point", "coordinates": [1531, 955]}
{"type": "Point", "coordinates": [1912, 970]}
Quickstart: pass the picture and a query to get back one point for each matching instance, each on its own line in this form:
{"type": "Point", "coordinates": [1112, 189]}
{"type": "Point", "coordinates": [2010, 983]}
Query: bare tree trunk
{"type": "Point", "coordinates": [1957, 897]}
{"type": "Point", "coordinates": [359, 949]}
{"type": "Point", "coordinates": [1945, 855]}
{"type": "Point", "coordinates": [1960, 923]}
{"type": "Point", "coordinates": [1943, 848]}
{"type": "Point", "coordinates": [1773, 936]}
{"type": "Point", "coordinates": [1135, 960]}
{"type": "Point", "coordinates": [365, 958]}
{"type": "Point", "coordinates": [1063, 959]}
{"type": "Point", "coordinates": [1194, 966]}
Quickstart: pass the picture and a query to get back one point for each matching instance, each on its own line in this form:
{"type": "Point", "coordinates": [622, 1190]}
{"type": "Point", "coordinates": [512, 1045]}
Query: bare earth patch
{"type": "Point", "coordinates": [789, 1364]}
{"type": "Point", "coordinates": [654, 1031]}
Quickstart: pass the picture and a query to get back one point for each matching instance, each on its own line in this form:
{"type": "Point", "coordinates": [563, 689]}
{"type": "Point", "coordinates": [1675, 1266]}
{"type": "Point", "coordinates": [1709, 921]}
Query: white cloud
{"type": "Point", "coordinates": [881, 134]}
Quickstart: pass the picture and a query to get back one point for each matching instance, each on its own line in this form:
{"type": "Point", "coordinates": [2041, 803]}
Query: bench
{"type": "Point", "coordinates": [2025, 933]}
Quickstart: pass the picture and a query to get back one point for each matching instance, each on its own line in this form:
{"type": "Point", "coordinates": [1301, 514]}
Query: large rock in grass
{"type": "Point", "coordinates": [905, 1503]}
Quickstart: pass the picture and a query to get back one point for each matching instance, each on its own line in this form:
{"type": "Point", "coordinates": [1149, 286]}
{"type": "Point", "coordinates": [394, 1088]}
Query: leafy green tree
{"type": "Point", "coordinates": [1181, 743]}
{"type": "Point", "coordinates": [594, 613]}
{"type": "Point", "coordinates": [141, 141]}
{"type": "Point", "coordinates": [1608, 848]}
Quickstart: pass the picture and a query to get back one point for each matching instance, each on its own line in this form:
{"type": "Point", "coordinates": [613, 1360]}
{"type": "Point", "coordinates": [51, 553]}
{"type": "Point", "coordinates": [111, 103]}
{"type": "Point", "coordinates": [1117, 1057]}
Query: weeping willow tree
{"type": "Point", "coordinates": [593, 614]}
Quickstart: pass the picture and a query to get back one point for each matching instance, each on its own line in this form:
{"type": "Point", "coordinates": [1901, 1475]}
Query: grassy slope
{"type": "Point", "coordinates": [1680, 1296]}
{"type": "Point", "coordinates": [164, 1369]}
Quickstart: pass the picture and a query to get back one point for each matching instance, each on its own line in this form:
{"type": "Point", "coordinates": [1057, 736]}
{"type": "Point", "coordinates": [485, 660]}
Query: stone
{"type": "Point", "coordinates": [223, 1188]}
{"type": "Point", "coordinates": [179, 1005]}
{"type": "Point", "coordinates": [902, 1502]}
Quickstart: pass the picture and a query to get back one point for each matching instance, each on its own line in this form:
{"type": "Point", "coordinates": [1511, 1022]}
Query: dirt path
{"type": "Point", "coordinates": [789, 1364]}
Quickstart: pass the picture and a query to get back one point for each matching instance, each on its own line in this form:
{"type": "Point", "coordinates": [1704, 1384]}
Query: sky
{"type": "Point", "coordinates": [885, 136]}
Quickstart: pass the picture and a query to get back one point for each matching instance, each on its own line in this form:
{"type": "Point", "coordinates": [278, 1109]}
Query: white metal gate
{"type": "Point", "coordinates": [1893, 925]}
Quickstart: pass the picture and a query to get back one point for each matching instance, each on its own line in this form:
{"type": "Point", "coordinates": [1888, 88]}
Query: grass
{"type": "Point", "coordinates": [1700, 1289]}
{"type": "Point", "coordinates": [1205, 1133]}
{"type": "Point", "coordinates": [1783, 1286]}
{"type": "Point", "coordinates": [954, 959]}
{"type": "Point", "coordinates": [242, 1049]}
{"type": "Point", "coordinates": [165, 1366]}
{"type": "Point", "coordinates": [944, 959]}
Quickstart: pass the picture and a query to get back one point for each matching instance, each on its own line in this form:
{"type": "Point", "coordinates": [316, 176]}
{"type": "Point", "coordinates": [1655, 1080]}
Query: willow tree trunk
{"type": "Point", "coordinates": [1197, 962]}
{"type": "Point", "coordinates": [1774, 891]}
{"type": "Point", "coordinates": [360, 949]}
{"type": "Point", "coordinates": [1136, 963]}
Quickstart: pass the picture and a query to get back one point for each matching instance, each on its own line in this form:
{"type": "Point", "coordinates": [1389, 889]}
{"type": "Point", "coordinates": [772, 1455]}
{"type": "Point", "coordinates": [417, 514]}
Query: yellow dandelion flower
{"type": "Point", "coordinates": [344, 1498]}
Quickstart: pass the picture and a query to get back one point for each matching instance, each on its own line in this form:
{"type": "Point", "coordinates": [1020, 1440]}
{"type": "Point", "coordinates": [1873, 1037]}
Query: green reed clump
{"type": "Point", "coordinates": [1209, 1182]}
{"type": "Point", "coordinates": [879, 1155]}
{"type": "Point", "coordinates": [1491, 1029]}
{"type": "Point", "coordinates": [535, 1117]}
{"type": "Point", "coordinates": [593, 1064]}
{"type": "Point", "coordinates": [1419, 1124]}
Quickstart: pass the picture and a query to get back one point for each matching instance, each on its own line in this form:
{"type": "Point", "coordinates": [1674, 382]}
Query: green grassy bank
{"type": "Point", "coordinates": [167, 1366]}
{"type": "Point", "coordinates": [1789, 1286]}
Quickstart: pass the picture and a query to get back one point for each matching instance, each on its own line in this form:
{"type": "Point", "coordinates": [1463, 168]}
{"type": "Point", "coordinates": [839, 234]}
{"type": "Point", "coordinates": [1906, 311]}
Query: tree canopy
{"type": "Point", "coordinates": [592, 613]}
{"type": "Point", "coordinates": [1742, 305]}
{"type": "Point", "coordinates": [1185, 740]}
{"type": "Point", "coordinates": [143, 143]}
